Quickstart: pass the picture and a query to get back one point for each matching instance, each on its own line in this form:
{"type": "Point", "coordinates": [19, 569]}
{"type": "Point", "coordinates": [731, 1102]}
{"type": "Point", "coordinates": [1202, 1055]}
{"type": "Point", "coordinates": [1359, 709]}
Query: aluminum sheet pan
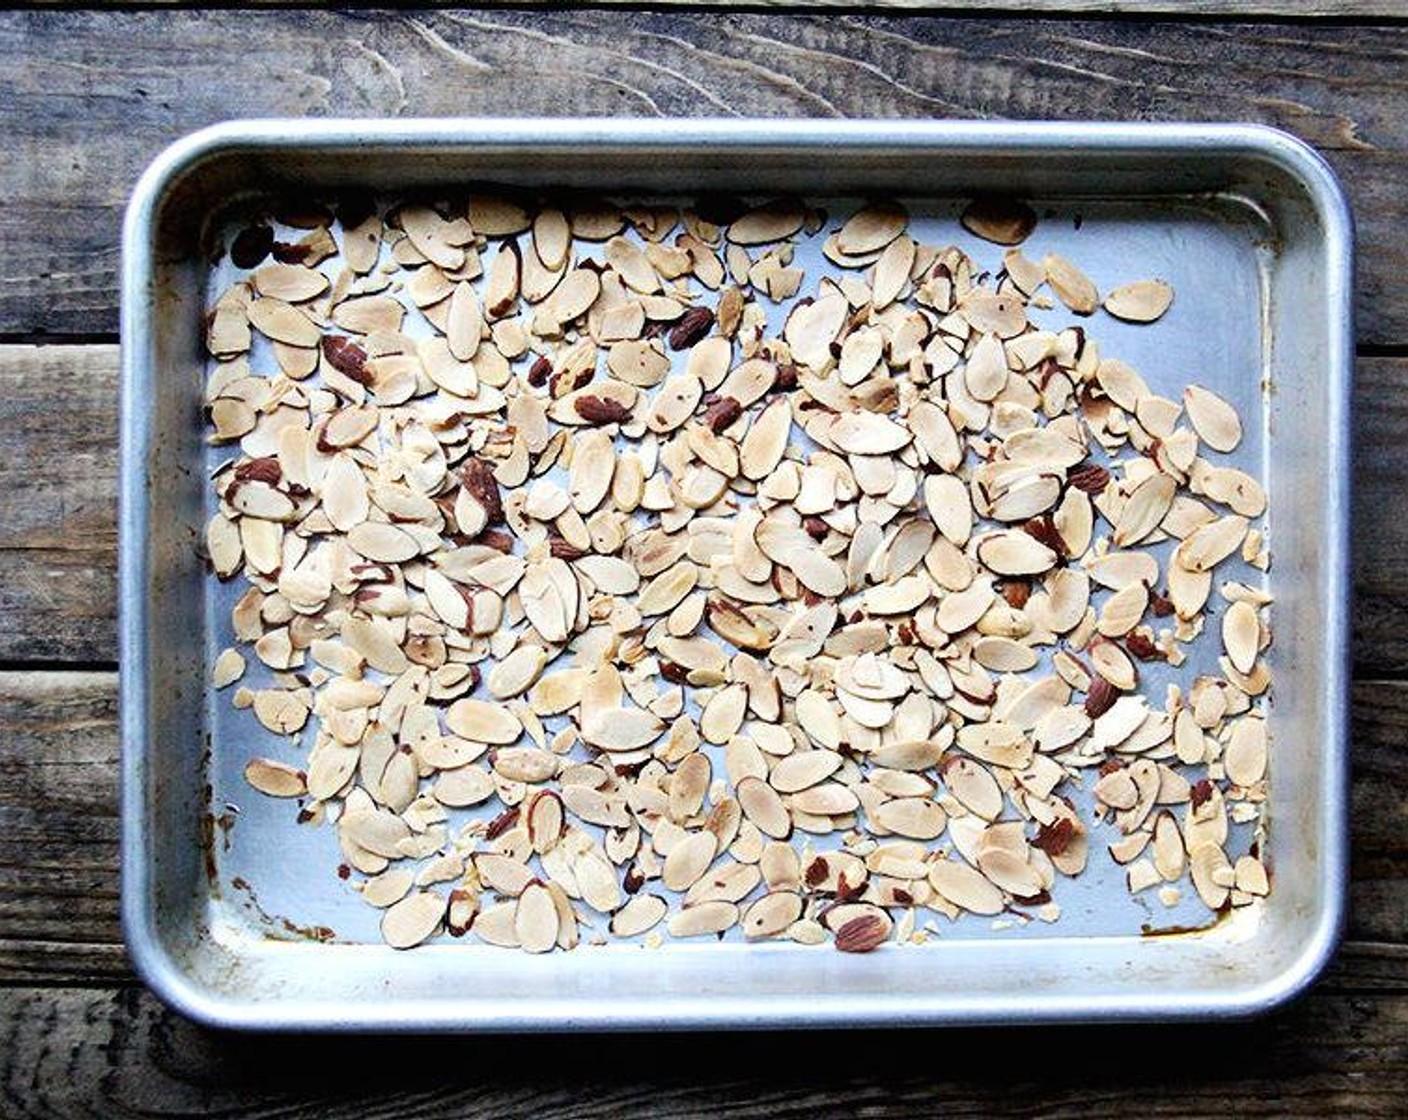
{"type": "Point", "coordinates": [245, 924]}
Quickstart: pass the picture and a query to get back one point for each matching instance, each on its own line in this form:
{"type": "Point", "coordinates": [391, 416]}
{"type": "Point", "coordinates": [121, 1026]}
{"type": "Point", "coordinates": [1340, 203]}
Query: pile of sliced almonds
{"type": "Point", "coordinates": [613, 578]}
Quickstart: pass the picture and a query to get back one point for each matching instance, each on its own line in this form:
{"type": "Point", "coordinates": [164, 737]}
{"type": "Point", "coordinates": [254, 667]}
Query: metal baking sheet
{"type": "Point", "coordinates": [235, 915]}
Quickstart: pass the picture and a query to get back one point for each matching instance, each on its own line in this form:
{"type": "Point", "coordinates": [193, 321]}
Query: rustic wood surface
{"type": "Point", "coordinates": [88, 97]}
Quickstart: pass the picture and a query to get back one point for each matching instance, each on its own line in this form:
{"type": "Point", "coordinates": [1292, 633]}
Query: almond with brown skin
{"type": "Point", "coordinates": [722, 413]}
{"type": "Point", "coordinates": [1091, 478]}
{"type": "Point", "coordinates": [1101, 697]}
{"type": "Point", "coordinates": [862, 934]}
{"type": "Point", "coordinates": [691, 327]}
{"type": "Point", "coordinates": [347, 357]}
{"type": "Point", "coordinates": [477, 477]}
{"type": "Point", "coordinates": [600, 410]}
{"type": "Point", "coordinates": [250, 246]}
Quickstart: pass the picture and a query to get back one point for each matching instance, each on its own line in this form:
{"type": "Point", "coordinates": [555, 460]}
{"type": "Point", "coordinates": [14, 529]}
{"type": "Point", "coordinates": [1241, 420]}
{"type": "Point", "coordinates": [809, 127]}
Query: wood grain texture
{"type": "Point", "coordinates": [119, 1054]}
{"type": "Point", "coordinates": [1210, 9]}
{"type": "Point", "coordinates": [58, 828]}
{"type": "Point", "coordinates": [58, 503]}
{"type": "Point", "coordinates": [58, 843]}
{"type": "Point", "coordinates": [58, 424]}
{"type": "Point", "coordinates": [91, 97]}
{"type": "Point", "coordinates": [1360, 10]}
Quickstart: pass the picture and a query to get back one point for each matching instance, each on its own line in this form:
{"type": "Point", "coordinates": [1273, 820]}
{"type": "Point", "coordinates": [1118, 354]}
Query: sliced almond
{"type": "Point", "coordinates": [1140, 302]}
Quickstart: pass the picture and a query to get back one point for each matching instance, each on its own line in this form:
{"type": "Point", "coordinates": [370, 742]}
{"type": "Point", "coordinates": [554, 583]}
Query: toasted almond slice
{"type": "Point", "coordinates": [917, 818]}
{"type": "Point", "coordinates": [552, 238]}
{"type": "Point", "coordinates": [1251, 876]}
{"type": "Point", "coordinates": [665, 592]}
{"type": "Point", "coordinates": [871, 228]}
{"type": "Point", "coordinates": [535, 921]}
{"type": "Point", "coordinates": [632, 265]}
{"type": "Point", "coordinates": [1188, 589]}
{"type": "Point", "coordinates": [1003, 221]}
{"type": "Point", "coordinates": [292, 283]}
{"type": "Point", "coordinates": [1209, 863]}
{"type": "Point", "coordinates": [675, 403]}
{"type": "Point", "coordinates": [412, 920]}
{"type": "Point", "coordinates": [571, 298]}
{"type": "Point", "coordinates": [282, 322]}
{"type": "Point", "coordinates": [1147, 506]}
{"type": "Point", "coordinates": [688, 860]}
{"type": "Point", "coordinates": [973, 785]}
{"type": "Point", "coordinates": [228, 668]}
{"type": "Point", "coordinates": [1123, 611]}
{"type": "Point", "coordinates": [517, 672]}
{"type": "Point", "coordinates": [773, 221]}
{"type": "Point", "coordinates": [803, 770]}
{"type": "Point", "coordinates": [549, 594]}
{"type": "Point", "coordinates": [368, 314]}
{"type": "Point", "coordinates": [464, 786]}
{"type": "Point", "coordinates": [276, 779]}
{"type": "Point", "coordinates": [1140, 302]}
{"type": "Point", "coordinates": [465, 322]}
{"type": "Point", "coordinates": [1211, 544]}
{"type": "Point", "coordinates": [766, 441]}
{"type": "Point", "coordinates": [965, 887]}
{"type": "Point", "coordinates": [892, 272]}
{"type": "Point", "coordinates": [495, 216]}
{"type": "Point", "coordinates": [593, 467]}
{"type": "Point", "coordinates": [703, 918]}
{"type": "Point", "coordinates": [1072, 287]}
{"type": "Point", "coordinates": [429, 232]}
{"type": "Point", "coordinates": [817, 571]}
{"type": "Point", "coordinates": [494, 925]}
{"type": "Point", "coordinates": [689, 786]}
{"type": "Point", "coordinates": [1122, 383]}
{"type": "Point", "coordinates": [771, 915]}
{"type": "Point", "coordinates": [986, 371]}
{"type": "Point", "coordinates": [483, 722]}
{"type": "Point", "coordinates": [723, 714]}
{"type": "Point", "coordinates": [1011, 552]}
{"type": "Point", "coordinates": [279, 711]}
{"type": "Point", "coordinates": [1215, 421]}
{"type": "Point", "coordinates": [1245, 757]}
{"type": "Point", "coordinates": [383, 542]}
{"type": "Point", "coordinates": [961, 609]}
{"type": "Point", "coordinates": [621, 729]}
{"type": "Point", "coordinates": [1241, 635]}
{"type": "Point", "coordinates": [1170, 859]}
{"type": "Point", "coordinates": [868, 433]}
{"type": "Point", "coordinates": [762, 805]}
{"type": "Point", "coordinates": [640, 914]}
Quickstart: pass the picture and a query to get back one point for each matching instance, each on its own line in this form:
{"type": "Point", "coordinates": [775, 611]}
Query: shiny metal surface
{"type": "Point", "coordinates": [1247, 223]}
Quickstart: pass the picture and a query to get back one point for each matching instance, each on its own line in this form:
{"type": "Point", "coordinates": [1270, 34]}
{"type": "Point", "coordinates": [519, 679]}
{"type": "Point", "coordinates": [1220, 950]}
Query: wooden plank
{"type": "Point", "coordinates": [58, 503]}
{"type": "Point", "coordinates": [1209, 9]}
{"type": "Point", "coordinates": [58, 423]}
{"type": "Point", "coordinates": [90, 97]}
{"type": "Point", "coordinates": [120, 1054]}
{"type": "Point", "coordinates": [58, 828]}
{"type": "Point", "coordinates": [58, 807]}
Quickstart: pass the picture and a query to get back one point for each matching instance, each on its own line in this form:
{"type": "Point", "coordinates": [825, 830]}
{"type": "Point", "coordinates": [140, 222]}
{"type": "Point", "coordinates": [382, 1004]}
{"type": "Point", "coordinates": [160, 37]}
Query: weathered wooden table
{"type": "Point", "coordinates": [88, 97]}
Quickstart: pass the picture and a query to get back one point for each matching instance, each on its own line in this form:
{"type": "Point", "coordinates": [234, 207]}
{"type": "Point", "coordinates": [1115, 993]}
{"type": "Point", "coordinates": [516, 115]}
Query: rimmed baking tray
{"type": "Point", "coordinates": [243, 927]}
